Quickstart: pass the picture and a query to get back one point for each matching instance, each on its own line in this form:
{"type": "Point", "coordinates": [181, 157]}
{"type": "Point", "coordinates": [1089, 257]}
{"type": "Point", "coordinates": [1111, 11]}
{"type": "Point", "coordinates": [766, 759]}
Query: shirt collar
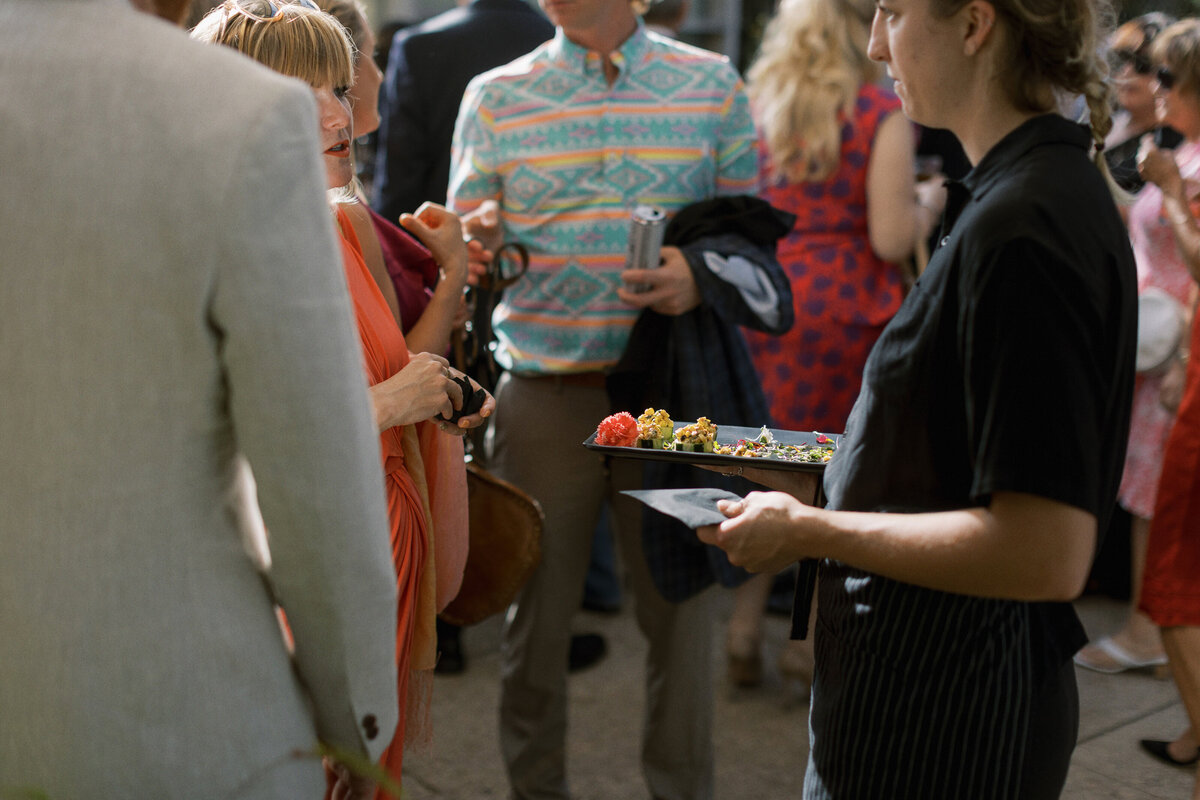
{"type": "Point", "coordinates": [1040, 130]}
{"type": "Point", "coordinates": [998, 162]}
{"type": "Point", "coordinates": [574, 58]}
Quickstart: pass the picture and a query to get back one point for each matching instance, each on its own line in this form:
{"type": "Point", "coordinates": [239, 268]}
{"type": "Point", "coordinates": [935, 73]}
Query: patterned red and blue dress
{"type": "Point", "coordinates": [844, 293]}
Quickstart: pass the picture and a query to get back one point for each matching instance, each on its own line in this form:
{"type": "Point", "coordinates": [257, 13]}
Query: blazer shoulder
{"type": "Point", "coordinates": [205, 101]}
{"type": "Point", "coordinates": [435, 27]}
{"type": "Point", "coordinates": [233, 77]}
{"type": "Point", "coordinates": [225, 89]}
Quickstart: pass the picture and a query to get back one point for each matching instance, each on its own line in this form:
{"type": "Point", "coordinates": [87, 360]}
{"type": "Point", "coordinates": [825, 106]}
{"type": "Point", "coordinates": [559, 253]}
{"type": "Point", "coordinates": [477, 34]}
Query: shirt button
{"type": "Point", "coordinates": [370, 726]}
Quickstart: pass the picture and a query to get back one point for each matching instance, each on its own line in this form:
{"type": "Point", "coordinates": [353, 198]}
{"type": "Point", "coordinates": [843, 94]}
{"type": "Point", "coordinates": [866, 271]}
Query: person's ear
{"type": "Point", "coordinates": [173, 11]}
{"type": "Point", "coordinates": [979, 17]}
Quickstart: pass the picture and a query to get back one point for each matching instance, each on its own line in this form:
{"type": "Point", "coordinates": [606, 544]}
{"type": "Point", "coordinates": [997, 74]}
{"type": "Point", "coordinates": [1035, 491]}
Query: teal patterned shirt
{"type": "Point", "coordinates": [568, 157]}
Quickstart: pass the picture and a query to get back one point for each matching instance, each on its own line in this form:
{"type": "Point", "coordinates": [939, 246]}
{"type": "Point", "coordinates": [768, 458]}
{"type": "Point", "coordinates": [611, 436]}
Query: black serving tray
{"type": "Point", "coordinates": [726, 434]}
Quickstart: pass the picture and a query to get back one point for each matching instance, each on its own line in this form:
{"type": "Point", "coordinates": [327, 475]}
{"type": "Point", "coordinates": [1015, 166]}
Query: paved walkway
{"type": "Point", "coordinates": [762, 740]}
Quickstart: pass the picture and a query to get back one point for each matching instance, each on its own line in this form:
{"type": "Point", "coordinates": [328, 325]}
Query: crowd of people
{"type": "Point", "coordinates": [1161, 470]}
{"type": "Point", "coordinates": [234, 491]}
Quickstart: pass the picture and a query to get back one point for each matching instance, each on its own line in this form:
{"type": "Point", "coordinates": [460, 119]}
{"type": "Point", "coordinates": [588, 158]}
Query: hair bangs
{"type": "Point", "coordinates": [293, 40]}
{"type": "Point", "coordinates": [308, 45]}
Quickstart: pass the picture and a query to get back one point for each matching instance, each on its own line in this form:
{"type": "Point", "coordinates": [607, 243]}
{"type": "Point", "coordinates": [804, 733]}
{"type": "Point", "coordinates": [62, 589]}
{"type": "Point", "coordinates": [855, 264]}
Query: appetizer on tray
{"type": "Point", "coordinates": [655, 436]}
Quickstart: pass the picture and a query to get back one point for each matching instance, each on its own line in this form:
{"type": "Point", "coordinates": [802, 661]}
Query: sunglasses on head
{"type": "Point", "coordinates": [309, 4]}
{"type": "Point", "coordinates": [273, 8]}
{"type": "Point", "coordinates": [1166, 78]}
{"type": "Point", "coordinates": [1139, 62]}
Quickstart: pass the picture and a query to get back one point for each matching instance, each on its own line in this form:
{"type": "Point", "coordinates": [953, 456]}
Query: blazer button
{"type": "Point", "coordinates": [370, 726]}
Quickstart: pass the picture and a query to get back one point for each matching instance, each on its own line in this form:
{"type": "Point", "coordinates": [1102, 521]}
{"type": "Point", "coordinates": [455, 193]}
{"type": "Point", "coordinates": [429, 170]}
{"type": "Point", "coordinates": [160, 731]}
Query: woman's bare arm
{"type": "Point", "coordinates": [440, 231]}
{"type": "Point", "coordinates": [897, 214]}
{"type": "Point", "coordinates": [1020, 547]}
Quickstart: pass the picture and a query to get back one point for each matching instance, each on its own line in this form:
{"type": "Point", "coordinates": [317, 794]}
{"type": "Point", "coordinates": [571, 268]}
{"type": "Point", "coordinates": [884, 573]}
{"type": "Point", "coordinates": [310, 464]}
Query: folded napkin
{"type": "Point", "coordinates": [693, 507]}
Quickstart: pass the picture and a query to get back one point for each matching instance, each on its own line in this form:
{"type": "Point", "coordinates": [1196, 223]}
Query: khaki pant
{"type": "Point", "coordinates": [535, 443]}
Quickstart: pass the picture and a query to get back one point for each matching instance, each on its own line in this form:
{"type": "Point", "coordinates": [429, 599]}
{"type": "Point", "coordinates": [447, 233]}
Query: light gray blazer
{"type": "Point", "coordinates": [171, 296]}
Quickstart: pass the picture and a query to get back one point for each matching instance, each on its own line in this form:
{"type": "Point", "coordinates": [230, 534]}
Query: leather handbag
{"type": "Point", "coordinates": [505, 547]}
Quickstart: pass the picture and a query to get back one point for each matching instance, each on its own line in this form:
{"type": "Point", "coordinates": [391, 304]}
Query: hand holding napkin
{"type": "Point", "coordinates": [693, 507]}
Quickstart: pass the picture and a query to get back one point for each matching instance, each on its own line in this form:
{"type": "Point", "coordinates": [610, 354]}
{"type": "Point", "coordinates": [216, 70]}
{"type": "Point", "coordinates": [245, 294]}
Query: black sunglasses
{"type": "Point", "coordinates": [1166, 78]}
{"type": "Point", "coordinates": [1138, 61]}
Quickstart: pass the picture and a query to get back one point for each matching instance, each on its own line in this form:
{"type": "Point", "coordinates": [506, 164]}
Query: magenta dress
{"type": "Point", "coordinates": [844, 293]}
{"type": "Point", "coordinates": [412, 268]}
{"type": "Point", "coordinates": [1159, 265]}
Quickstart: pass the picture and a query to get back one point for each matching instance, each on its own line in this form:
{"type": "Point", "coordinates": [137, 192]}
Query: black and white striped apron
{"type": "Point", "coordinates": [926, 694]}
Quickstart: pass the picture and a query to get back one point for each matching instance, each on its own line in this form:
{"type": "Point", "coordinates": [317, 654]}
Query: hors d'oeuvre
{"type": "Point", "coordinates": [697, 437]}
{"type": "Point", "coordinates": [655, 429]}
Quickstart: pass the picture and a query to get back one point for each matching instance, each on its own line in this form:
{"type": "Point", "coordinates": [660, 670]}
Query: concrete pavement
{"type": "Point", "coordinates": [762, 739]}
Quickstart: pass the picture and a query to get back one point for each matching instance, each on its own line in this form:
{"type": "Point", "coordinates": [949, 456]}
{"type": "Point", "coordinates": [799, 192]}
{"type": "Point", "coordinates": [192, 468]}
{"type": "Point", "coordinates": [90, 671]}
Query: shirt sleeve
{"type": "Point", "coordinates": [473, 153]}
{"type": "Point", "coordinates": [737, 145]}
{"type": "Point", "coordinates": [297, 396]}
{"type": "Point", "coordinates": [1029, 330]}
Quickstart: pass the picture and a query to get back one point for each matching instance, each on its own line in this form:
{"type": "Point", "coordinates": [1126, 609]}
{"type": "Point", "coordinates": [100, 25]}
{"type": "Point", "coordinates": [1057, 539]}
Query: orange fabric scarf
{"type": "Point", "coordinates": [426, 497]}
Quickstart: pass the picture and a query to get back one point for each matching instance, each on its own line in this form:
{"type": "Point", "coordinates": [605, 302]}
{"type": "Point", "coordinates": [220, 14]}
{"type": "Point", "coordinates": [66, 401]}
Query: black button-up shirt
{"type": "Point", "coordinates": [1010, 365]}
{"type": "Point", "coordinates": [1008, 368]}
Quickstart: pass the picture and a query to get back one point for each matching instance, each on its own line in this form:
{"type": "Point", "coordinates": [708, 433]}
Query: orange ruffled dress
{"type": "Point", "coordinates": [425, 482]}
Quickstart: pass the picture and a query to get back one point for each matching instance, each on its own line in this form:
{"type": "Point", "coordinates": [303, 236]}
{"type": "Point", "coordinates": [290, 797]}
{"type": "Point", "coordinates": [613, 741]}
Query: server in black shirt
{"type": "Point", "coordinates": [984, 452]}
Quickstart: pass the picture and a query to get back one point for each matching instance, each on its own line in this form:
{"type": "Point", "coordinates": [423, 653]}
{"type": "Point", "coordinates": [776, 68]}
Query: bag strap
{"type": "Point", "coordinates": [472, 349]}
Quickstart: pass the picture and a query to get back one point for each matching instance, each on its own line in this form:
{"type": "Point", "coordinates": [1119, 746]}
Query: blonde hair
{"type": "Point", "coordinates": [1139, 33]}
{"type": "Point", "coordinates": [1178, 49]}
{"type": "Point", "coordinates": [353, 16]}
{"type": "Point", "coordinates": [287, 37]}
{"type": "Point", "coordinates": [805, 82]}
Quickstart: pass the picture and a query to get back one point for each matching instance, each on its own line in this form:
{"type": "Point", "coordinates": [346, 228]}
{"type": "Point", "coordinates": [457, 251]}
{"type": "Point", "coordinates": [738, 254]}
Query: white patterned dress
{"type": "Point", "coordinates": [1159, 265]}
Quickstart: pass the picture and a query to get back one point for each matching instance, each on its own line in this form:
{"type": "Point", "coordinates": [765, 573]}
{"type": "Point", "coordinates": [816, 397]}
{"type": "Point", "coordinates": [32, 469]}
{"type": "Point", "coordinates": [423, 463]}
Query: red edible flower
{"type": "Point", "coordinates": [617, 430]}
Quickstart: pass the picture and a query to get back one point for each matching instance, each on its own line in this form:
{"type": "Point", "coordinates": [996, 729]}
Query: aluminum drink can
{"type": "Point", "coordinates": [646, 227]}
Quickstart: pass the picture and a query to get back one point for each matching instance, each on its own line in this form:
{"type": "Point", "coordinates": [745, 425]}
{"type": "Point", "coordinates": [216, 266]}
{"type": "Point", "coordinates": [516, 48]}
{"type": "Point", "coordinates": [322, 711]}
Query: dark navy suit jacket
{"type": "Point", "coordinates": [429, 67]}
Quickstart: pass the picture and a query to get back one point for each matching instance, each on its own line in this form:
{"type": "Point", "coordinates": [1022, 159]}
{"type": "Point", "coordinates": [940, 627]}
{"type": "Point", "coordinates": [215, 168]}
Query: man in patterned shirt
{"type": "Point", "coordinates": [554, 150]}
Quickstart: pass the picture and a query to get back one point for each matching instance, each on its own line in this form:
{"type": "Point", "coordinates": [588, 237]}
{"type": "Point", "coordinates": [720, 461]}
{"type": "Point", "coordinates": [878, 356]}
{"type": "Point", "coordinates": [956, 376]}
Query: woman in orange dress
{"type": "Point", "coordinates": [410, 457]}
{"type": "Point", "coordinates": [411, 395]}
